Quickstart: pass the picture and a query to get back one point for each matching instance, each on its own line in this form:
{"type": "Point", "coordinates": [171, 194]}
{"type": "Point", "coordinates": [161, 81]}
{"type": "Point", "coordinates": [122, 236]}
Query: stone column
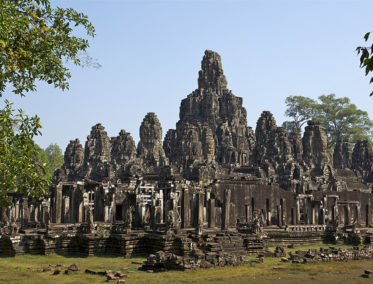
{"type": "Point", "coordinates": [32, 213]}
{"type": "Point", "coordinates": [297, 218]}
{"type": "Point", "coordinates": [58, 203]}
{"type": "Point", "coordinates": [368, 222]}
{"type": "Point", "coordinates": [279, 215]}
{"type": "Point", "coordinates": [226, 207]}
{"type": "Point", "coordinates": [106, 214]}
{"type": "Point", "coordinates": [44, 210]}
{"type": "Point", "coordinates": [185, 209]}
{"type": "Point", "coordinates": [25, 214]}
{"type": "Point", "coordinates": [211, 213]}
{"type": "Point", "coordinates": [16, 211]}
{"type": "Point", "coordinates": [283, 212]}
{"type": "Point", "coordinates": [66, 209]}
{"type": "Point", "coordinates": [200, 220]}
{"type": "Point", "coordinates": [73, 209]}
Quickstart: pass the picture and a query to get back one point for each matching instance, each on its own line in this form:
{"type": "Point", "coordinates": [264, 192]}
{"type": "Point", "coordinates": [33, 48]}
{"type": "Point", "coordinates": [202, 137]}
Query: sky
{"type": "Point", "coordinates": [151, 52]}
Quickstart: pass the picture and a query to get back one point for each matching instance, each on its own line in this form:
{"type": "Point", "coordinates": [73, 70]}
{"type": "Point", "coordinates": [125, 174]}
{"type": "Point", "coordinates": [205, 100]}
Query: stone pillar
{"type": "Point", "coordinates": [66, 209]}
{"type": "Point", "coordinates": [106, 213]}
{"type": "Point", "coordinates": [226, 207]}
{"type": "Point", "coordinates": [16, 211]}
{"type": "Point", "coordinates": [283, 212]}
{"type": "Point", "coordinates": [58, 203]}
{"type": "Point", "coordinates": [368, 221]}
{"type": "Point", "coordinates": [80, 213]}
{"type": "Point", "coordinates": [44, 210]}
{"type": "Point", "coordinates": [358, 215]}
{"type": "Point", "coordinates": [200, 220]}
{"type": "Point", "coordinates": [73, 209]}
{"type": "Point", "coordinates": [32, 213]}
{"type": "Point", "coordinates": [297, 213]}
{"type": "Point", "coordinates": [279, 215]}
{"type": "Point", "coordinates": [185, 209]}
{"type": "Point", "coordinates": [25, 214]}
{"type": "Point", "coordinates": [211, 213]}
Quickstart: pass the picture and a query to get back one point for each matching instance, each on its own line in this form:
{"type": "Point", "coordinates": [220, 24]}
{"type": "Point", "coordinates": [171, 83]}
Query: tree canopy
{"type": "Point", "coordinates": [52, 157]}
{"type": "Point", "coordinates": [300, 109]}
{"type": "Point", "coordinates": [339, 117]}
{"type": "Point", "coordinates": [21, 171]}
{"type": "Point", "coordinates": [366, 57]}
{"type": "Point", "coordinates": [36, 41]}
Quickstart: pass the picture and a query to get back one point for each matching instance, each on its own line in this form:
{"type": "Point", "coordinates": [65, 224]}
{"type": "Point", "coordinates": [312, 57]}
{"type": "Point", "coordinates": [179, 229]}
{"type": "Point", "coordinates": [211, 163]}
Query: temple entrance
{"type": "Point", "coordinates": [346, 218]}
{"type": "Point", "coordinates": [118, 212]}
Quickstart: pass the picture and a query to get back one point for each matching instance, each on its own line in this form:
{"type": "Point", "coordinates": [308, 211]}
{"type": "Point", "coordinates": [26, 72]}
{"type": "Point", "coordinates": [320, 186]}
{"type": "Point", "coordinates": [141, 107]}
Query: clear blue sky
{"type": "Point", "coordinates": [151, 51]}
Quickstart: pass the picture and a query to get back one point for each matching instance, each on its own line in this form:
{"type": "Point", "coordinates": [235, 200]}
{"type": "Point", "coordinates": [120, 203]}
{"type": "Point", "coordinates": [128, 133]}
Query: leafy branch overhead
{"type": "Point", "coordinates": [366, 57]}
{"type": "Point", "coordinates": [36, 41]}
{"type": "Point", "coordinates": [21, 170]}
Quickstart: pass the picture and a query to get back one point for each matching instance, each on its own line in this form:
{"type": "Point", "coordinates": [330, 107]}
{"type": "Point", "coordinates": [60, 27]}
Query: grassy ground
{"type": "Point", "coordinates": [27, 269]}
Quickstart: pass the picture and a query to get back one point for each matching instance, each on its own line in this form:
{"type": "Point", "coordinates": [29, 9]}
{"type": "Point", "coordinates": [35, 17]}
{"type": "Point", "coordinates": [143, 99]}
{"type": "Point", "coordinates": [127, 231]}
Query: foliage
{"type": "Point", "coordinates": [339, 117]}
{"type": "Point", "coordinates": [366, 58]}
{"type": "Point", "coordinates": [342, 119]}
{"type": "Point", "coordinates": [301, 109]}
{"type": "Point", "coordinates": [52, 157]}
{"type": "Point", "coordinates": [55, 157]}
{"type": "Point", "coordinates": [36, 41]}
{"type": "Point", "coordinates": [21, 172]}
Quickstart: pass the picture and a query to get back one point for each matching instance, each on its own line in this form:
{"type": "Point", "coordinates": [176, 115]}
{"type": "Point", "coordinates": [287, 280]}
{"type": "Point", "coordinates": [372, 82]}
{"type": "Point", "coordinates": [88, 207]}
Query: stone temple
{"type": "Point", "coordinates": [213, 185]}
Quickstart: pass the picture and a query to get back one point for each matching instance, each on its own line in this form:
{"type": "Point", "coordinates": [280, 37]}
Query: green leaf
{"type": "Point", "coordinates": [366, 36]}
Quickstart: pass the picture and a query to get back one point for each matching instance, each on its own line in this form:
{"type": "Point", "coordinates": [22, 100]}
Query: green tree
{"type": "Point", "coordinates": [366, 57]}
{"type": "Point", "coordinates": [342, 119]}
{"type": "Point", "coordinates": [55, 157]}
{"type": "Point", "coordinates": [339, 117]}
{"type": "Point", "coordinates": [36, 42]}
{"type": "Point", "coordinates": [52, 158]}
{"type": "Point", "coordinates": [300, 109]}
{"type": "Point", "coordinates": [21, 171]}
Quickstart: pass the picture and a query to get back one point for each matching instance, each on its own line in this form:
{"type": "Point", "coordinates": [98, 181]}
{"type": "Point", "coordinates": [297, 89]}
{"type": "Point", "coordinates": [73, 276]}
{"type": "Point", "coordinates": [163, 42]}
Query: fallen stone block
{"type": "Point", "coordinates": [57, 270]}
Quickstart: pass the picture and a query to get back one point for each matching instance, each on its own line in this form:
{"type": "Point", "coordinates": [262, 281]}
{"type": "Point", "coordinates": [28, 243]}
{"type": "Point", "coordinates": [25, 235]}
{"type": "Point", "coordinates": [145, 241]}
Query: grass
{"type": "Point", "coordinates": [27, 269]}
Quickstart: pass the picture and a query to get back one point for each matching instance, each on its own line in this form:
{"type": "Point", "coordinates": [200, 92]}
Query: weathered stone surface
{"type": "Point", "coordinates": [362, 158]}
{"type": "Point", "coordinates": [123, 153]}
{"type": "Point", "coordinates": [295, 140]}
{"type": "Point", "coordinates": [123, 148]}
{"type": "Point", "coordinates": [342, 155]}
{"type": "Point", "coordinates": [212, 125]}
{"type": "Point", "coordinates": [315, 147]}
{"type": "Point", "coordinates": [97, 155]}
{"type": "Point", "coordinates": [73, 162]}
{"type": "Point", "coordinates": [211, 75]}
{"type": "Point", "coordinates": [74, 155]}
{"type": "Point", "coordinates": [150, 146]}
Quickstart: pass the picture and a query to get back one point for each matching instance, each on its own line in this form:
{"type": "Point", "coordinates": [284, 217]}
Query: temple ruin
{"type": "Point", "coordinates": [213, 185]}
